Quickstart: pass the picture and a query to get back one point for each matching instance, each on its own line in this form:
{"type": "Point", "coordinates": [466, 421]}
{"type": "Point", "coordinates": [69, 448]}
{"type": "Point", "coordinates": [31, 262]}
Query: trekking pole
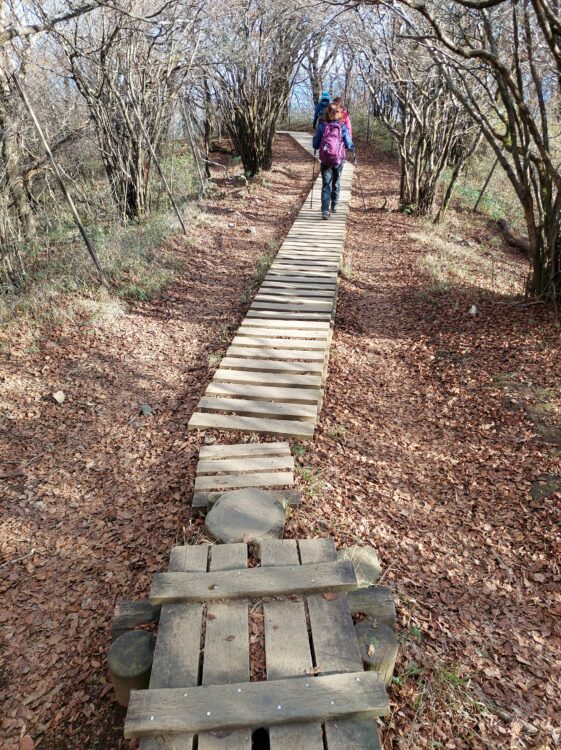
{"type": "Point", "coordinates": [313, 180]}
{"type": "Point", "coordinates": [359, 181]}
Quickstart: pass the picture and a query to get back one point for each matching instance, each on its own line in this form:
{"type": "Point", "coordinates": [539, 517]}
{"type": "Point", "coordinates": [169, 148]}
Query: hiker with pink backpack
{"type": "Point", "coordinates": [331, 138]}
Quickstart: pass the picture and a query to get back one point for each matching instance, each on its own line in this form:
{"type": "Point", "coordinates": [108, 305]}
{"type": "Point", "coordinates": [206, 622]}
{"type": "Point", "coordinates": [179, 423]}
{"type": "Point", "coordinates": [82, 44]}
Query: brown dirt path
{"type": "Point", "coordinates": [419, 454]}
{"type": "Point", "coordinates": [101, 491]}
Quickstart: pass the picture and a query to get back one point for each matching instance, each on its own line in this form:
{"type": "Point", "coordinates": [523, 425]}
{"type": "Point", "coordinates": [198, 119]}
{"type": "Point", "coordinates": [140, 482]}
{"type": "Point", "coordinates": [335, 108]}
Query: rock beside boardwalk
{"type": "Point", "coordinates": [365, 560]}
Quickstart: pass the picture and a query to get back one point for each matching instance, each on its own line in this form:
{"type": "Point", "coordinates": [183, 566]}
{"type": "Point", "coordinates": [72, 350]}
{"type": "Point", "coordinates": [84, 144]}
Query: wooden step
{"type": "Point", "coordinates": [306, 412]}
{"type": "Point", "coordinates": [218, 452]}
{"type": "Point", "coordinates": [285, 427]}
{"type": "Point", "coordinates": [287, 315]}
{"type": "Point", "coordinates": [236, 481]}
{"type": "Point", "coordinates": [255, 353]}
{"type": "Point", "coordinates": [279, 343]}
{"type": "Point", "coordinates": [337, 575]}
{"type": "Point", "coordinates": [243, 464]}
{"type": "Point", "coordinates": [253, 377]}
{"type": "Point", "coordinates": [288, 333]}
{"type": "Point", "coordinates": [289, 307]}
{"type": "Point", "coordinates": [267, 393]}
{"type": "Point", "coordinates": [271, 365]}
{"type": "Point", "coordinates": [280, 323]}
{"type": "Point", "coordinates": [297, 291]}
{"type": "Point", "coordinates": [293, 299]}
{"type": "Point", "coordinates": [254, 704]}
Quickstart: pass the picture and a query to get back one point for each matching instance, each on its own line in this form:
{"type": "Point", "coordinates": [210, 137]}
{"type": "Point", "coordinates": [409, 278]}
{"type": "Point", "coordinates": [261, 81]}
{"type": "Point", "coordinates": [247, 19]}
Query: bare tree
{"type": "Point", "coordinates": [252, 71]}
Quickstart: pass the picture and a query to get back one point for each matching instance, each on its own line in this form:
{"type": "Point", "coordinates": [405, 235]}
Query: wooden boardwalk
{"type": "Point", "coordinates": [316, 695]}
{"type": "Point", "coordinates": [271, 378]}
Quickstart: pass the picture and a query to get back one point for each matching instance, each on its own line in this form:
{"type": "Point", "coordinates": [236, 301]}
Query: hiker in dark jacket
{"type": "Point", "coordinates": [321, 107]}
{"type": "Point", "coordinates": [331, 138]}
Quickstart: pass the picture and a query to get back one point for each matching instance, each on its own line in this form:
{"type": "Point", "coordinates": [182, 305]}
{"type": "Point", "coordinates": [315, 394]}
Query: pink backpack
{"type": "Point", "coordinates": [331, 146]}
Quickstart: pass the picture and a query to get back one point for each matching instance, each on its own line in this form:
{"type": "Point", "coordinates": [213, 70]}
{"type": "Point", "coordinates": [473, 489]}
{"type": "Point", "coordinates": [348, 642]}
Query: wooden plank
{"type": "Point", "coordinates": [296, 333]}
{"type": "Point", "coordinates": [241, 450]}
{"type": "Point", "coordinates": [235, 481]}
{"type": "Point", "coordinates": [338, 575]}
{"type": "Point", "coordinates": [226, 655]}
{"type": "Point", "coordinates": [267, 378]}
{"type": "Point", "coordinates": [225, 707]}
{"type": "Point", "coordinates": [285, 622]}
{"type": "Point", "coordinates": [176, 657]}
{"type": "Point", "coordinates": [274, 365]}
{"type": "Point", "coordinates": [292, 307]}
{"type": "Point", "coordinates": [278, 282]}
{"type": "Point", "coordinates": [287, 314]}
{"type": "Point", "coordinates": [272, 291]}
{"type": "Point", "coordinates": [309, 325]}
{"type": "Point", "coordinates": [306, 412]}
{"type": "Point", "coordinates": [316, 302]}
{"type": "Point", "coordinates": [288, 497]}
{"type": "Point", "coordinates": [286, 427]}
{"type": "Point", "coordinates": [245, 463]}
{"type": "Point", "coordinates": [269, 393]}
{"type": "Point", "coordinates": [268, 353]}
{"type": "Point", "coordinates": [335, 646]}
{"type": "Point", "coordinates": [263, 342]}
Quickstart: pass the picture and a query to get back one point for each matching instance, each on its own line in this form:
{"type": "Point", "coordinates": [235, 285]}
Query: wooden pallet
{"type": "Point", "coordinates": [200, 688]}
{"type": "Point", "coordinates": [292, 315]}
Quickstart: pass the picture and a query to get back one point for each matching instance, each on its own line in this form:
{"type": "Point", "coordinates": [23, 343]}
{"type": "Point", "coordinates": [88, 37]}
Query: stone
{"type": "Point", "coordinates": [146, 410]}
{"type": "Point", "coordinates": [375, 601]}
{"type": "Point", "coordinates": [59, 397]}
{"type": "Point", "coordinates": [130, 663]}
{"type": "Point", "coordinates": [251, 230]}
{"type": "Point", "coordinates": [246, 515]}
{"type": "Point", "coordinates": [378, 647]}
{"type": "Point", "coordinates": [365, 560]}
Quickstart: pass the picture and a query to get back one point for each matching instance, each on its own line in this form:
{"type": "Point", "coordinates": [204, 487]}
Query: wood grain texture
{"type": "Point", "coordinates": [234, 481]}
{"type": "Point", "coordinates": [242, 450]}
{"type": "Point", "coordinates": [268, 353]}
{"type": "Point", "coordinates": [202, 587]}
{"type": "Point", "coordinates": [245, 463]}
{"type": "Point", "coordinates": [254, 704]}
{"type": "Point", "coordinates": [285, 427]}
{"type": "Point", "coordinates": [226, 654]}
{"type": "Point", "coordinates": [287, 379]}
{"type": "Point", "coordinates": [306, 412]}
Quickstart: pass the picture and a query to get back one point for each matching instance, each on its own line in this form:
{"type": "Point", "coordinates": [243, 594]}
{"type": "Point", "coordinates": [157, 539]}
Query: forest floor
{"type": "Point", "coordinates": [438, 444]}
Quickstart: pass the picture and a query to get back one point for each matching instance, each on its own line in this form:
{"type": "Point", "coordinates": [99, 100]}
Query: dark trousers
{"type": "Point", "coordinates": [330, 186]}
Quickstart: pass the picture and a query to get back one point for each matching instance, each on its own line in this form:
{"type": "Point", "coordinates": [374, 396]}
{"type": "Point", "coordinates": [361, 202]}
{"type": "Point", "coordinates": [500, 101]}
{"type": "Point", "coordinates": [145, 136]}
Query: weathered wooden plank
{"type": "Point", "coordinates": [176, 657]}
{"type": "Point", "coordinates": [278, 552]}
{"type": "Point", "coordinates": [335, 647]}
{"type": "Point", "coordinates": [226, 654]}
{"type": "Point", "coordinates": [256, 353]}
{"type": "Point", "coordinates": [293, 307]}
{"type": "Point", "coordinates": [234, 481]}
{"type": "Point", "coordinates": [269, 393]}
{"type": "Point", "coordinates": [306, 412]}
{"type": "Point", "coordinates": [289, 497]}
{"type": "Point", "coordinates": [290, 299]}
{"type": "Point", "coordinates": [286, 427]}
{"type": "Point", "coordinates": [338, 575]}
{"type": "Point", "coordinates": [245, 463]}
{"type": "Point", "coordinates": [279, 281]}
{"type": "Point", "coordinates": [285, 622]}
{"type": "Point", "coordinates": [128, 614]}
{"type": "Point", "coordinates": [267, 378]}
{"type": "Point", "coordinates": [224, 707]}
{"type": "Point", "coordinates": [279, 323]}
{"type": "Point", "coordinates": [287, 333]}
{"type": "Point", "coordinates": [263, 342]}
{"type": "Point", "coordinates": [242, 450]}
{"type": "Point", "coordinates": [297, 291]}
{"type": "Point", "coordinates": [287, 314]}
{"type": "Point", "coordinates": [273, 365]}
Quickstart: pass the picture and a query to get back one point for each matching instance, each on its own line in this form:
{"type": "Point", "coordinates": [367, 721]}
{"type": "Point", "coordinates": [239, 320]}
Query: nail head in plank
{"type": "Point", "coordinates": [223, 707]}
{"type": "Point", "coordinates": [245, 464]}
{"type": "Point", "coordinates": [329, 576]}
{"type": "Point", "coordinates": [235, 481]}
{"type": "Point", "coordinates": [239, 450]}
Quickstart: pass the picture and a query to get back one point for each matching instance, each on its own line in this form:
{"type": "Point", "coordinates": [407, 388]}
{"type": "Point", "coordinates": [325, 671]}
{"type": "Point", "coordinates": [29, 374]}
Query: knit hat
{"type": "Point", "coordinates": [326, 95]}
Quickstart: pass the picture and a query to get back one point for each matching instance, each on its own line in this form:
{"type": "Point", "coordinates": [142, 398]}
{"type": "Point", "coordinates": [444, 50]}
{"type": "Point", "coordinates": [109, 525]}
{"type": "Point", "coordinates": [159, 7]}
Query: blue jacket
{"type": "Point", "coordinates": [344, 132]}
{"type": "Point", "coordinates": [320, 107]}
